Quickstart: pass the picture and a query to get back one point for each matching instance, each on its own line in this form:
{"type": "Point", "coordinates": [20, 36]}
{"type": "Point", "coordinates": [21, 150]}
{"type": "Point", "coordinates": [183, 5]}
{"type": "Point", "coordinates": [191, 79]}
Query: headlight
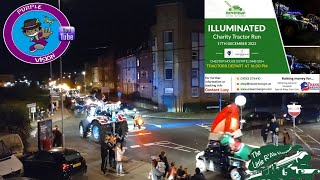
{"type": "Point", "coordinates": [285, 115]}
{"type": "Point", "coordinates": [134, 109]}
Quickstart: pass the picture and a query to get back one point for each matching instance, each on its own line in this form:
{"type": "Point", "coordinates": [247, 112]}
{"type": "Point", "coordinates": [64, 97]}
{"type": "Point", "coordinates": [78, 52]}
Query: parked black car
{"type": "Point", "coordinates": [307, 115]}
{"type": "Point", "coordinates": [297, 66]}
{"type": "Point", "coordinates": [255, 120]}
{"type": "Point", "coordinates": [55, 164]}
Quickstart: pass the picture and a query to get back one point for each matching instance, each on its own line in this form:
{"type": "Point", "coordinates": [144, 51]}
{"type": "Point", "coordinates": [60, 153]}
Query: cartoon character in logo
{"type": "Point", "coordinates": [305, 86]}
{"type": "Point", "coordinates": [32, 28]}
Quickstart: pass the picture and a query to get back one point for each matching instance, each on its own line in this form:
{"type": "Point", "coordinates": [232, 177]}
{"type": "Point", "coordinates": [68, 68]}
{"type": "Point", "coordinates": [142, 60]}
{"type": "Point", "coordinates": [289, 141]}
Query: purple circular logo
{"type": "Point", "coordinates": [31, 33]}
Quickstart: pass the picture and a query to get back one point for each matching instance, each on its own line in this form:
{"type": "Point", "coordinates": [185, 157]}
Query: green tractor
{"type": "Point", "coordinates": [233, 8]}
{"type": "Point", "coordinates": [292, 23]}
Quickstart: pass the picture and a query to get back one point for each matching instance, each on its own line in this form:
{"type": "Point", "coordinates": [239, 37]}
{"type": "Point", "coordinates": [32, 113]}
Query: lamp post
{"type": "Point", "coordinates": [241, 101]}
{"type": "Point", "coordinates": [85, 83]}
{"type": "Point", "coordinates": [61, 95]}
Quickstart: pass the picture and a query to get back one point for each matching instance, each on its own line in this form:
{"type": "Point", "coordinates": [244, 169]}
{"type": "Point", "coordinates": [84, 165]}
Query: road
{"type": "Point", "coordinates": [180, 139]}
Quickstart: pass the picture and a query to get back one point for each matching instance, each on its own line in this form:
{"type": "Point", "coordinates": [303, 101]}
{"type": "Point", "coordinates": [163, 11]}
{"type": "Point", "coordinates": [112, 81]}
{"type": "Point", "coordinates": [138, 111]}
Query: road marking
{"type": "Point", "coordinates": [299, 129]}
{"type": "Point", "coordinates": [208, 127]}
{"type": "Point", "coordinates": [313, 139]}
{"type": "Point", "coordinates": [303, 135]}
{"type": "Point", "coordinates": [135, 146]}
{"type": "Point", "coordinates": [156, 125]}
{"type": "Point", "coordinates": [303, 141]}
{"type": "Point", "coordinates": [140, 134]}
{"type": "Point", "coordinates": [149, 144]}
{"type": "Point", "coordinates": [185, 147]}
{"type": "Point", "coordinates": [253, 146]}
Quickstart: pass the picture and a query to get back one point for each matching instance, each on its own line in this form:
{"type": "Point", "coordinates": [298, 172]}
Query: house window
{"type": "Point", "coordinates": [154, 57]}
{"type": "Point", "coordinates": [138, 75]}
{"type": "Point", "coordinates": [195, 37]}
{"type": "Point", "coordinates": [195, 92]}
{"type": "Point", "coordinates": [195, 77]}
{"type": "Point", "coordinates": [138, 62]}
{"type": "Point", "coordinates": [153, 42]}
{"type": "Point", "coordinates": [195, 56]}
{"type": "Point", "coordinates": [195, 74]}
{"type": "Point", "coordinates": [167, 37]}
{"type": "Point", "coordinates": [169, 74]}
{"type": "Point", "coordinates": [195, 59]}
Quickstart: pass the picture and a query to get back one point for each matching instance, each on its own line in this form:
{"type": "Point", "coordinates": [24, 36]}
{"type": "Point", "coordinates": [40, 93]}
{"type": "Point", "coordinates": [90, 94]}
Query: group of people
{"type": "Point", "coordinates": [112, 151]}
{"type": "Point", "coordinates": [160, 170]}
{"type": "Point", "coordinates": [273, 129]}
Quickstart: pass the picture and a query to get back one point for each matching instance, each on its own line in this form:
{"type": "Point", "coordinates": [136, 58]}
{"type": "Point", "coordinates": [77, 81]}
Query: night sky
{"type": "Point", "coordinates": [119, 24]}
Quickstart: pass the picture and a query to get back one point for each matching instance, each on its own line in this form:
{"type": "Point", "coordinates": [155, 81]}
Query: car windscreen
{"type": "Point", "coordinates": [4, 150]}
{"type": "Point", "coordinates": [72, 156]}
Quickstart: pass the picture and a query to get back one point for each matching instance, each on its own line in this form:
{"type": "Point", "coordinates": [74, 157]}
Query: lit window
{"type": "Point", "coordinates": [138, 75]}
{"type": "Point", "coordinates": [138, 62]}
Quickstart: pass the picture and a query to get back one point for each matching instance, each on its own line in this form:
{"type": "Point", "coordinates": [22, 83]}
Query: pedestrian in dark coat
{"type": "Point", "coordinates": [57, 137]}
{"type": "Point", "coordinates": [198, 175]}
{"type": "Point", "coordinates": [164, 159]}
{"type": "Point", "coordinates": [110, 147]}
{"type": "Point", "coordinates": [273, 126]}
{"type": "Point", "coordinates": [104, 156]}
{"type": "Point", "coordinates": [265, 132]}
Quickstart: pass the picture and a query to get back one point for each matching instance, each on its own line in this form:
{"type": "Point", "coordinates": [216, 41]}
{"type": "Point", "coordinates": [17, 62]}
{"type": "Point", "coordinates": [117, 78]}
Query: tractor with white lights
{"type": "Point", "coordinates": [102, 119]}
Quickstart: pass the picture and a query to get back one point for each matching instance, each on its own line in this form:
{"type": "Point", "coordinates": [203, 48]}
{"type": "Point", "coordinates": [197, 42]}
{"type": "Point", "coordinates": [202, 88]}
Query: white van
{"type": "Point", "coordinates": [10, 165]}
{"type": "Point", "coordinates": [14, 143]}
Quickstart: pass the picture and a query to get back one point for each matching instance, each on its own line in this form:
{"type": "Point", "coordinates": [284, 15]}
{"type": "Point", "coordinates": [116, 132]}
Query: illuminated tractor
{"type": "Point", "coordinates": [101, 122]}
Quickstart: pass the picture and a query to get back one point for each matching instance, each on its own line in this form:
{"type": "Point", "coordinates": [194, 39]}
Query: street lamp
{"type": "Point", "coordinates": [241, 101]}
{"type": "Point", "coordinates": [85, 83]}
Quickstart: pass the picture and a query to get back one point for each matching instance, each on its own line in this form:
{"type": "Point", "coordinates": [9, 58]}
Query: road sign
{"type": "Point", "coordinates": [105, 90]}
{"type": "Point", "coordinates": [119, 94]}
{"type": "Point", "coordinates": [31, 105]}
{"type": "Point", "coordinates": [294, 109]}
{"type": "Point", "coordinates": [33, 109]}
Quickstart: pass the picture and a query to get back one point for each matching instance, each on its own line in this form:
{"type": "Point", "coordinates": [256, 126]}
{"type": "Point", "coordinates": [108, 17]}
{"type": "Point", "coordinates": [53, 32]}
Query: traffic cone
{"type": "Point", "coordinates": [227, 121]}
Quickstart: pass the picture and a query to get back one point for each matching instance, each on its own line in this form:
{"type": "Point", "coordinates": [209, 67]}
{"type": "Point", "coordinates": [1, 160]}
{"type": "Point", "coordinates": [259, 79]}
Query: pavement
{"type": "Point", "coordinates": [181, 139]}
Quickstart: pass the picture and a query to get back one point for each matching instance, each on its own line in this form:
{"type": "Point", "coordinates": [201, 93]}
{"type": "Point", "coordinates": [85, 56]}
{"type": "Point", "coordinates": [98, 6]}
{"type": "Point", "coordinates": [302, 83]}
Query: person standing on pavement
{"type": "Point", "coordinates": [276, 137]}
{"type": "Point", "coordinates": [155, 173]}
{"type": "Point", "coordinates": [265, 133]}
{"type": "Point", "coordinates": [164, 159]}
{"type": "Point", "coordinates": [172, 172]}
{"type": "Point", "coordinates": [119, 155]}
{"type": "Point", "coordinates": [119, 139]}
{"type": "Point", "coordinates": [104, 156]}
{"type": "Point", "coordinates": [198, 175]}
{"type": "Point", "coordinates": [273, 126]}
{"type": "Point", "coordinates": [57, 137]}
{"type": "Point", "coordinates": [111, 148]}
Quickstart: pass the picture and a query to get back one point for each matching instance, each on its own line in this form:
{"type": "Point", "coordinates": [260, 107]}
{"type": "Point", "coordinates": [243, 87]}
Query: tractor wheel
{"type": "Point", "coordinates": [83, 130]}
{"type": "Point", "coordinates": [96, 129]}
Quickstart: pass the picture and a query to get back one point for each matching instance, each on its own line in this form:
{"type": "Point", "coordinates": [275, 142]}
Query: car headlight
{"type": "Point", "coordinates": [285, 115]}
{"type": "Point", "coordinates": [134, 109]}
